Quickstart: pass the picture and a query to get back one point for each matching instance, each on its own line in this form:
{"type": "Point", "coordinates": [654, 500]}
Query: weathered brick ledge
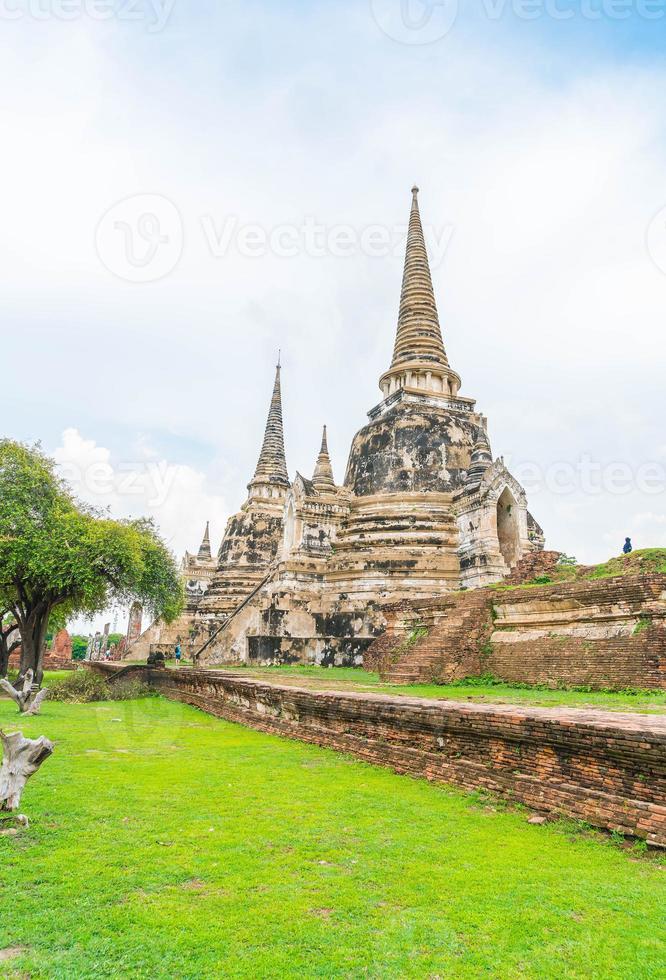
{"type": "Point", "coordinates": [606, 768]}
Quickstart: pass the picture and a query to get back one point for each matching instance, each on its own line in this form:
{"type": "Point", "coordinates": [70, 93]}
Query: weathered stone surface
{"type": "Point", "coordinates": [608, 633]}
{"type": "Point", "coordinates": [306, 570]}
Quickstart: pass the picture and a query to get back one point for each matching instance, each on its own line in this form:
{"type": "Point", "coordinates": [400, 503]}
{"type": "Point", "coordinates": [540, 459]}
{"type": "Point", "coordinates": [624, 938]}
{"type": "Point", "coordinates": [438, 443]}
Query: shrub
{"type": "Point", "coordinates": [129, 689]}
{"type": "Point", "coordinates": [80, 687]}
{"type": "Point", "coordinates": [83, 687]}
{"type": "Point", "coordinates": [644, 623]}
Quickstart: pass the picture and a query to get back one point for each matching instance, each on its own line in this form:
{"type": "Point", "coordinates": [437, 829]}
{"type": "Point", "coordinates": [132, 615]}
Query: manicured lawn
{"type": "Point", "coordinates": [165, 843]}
{"type": "Point", "coordinates": [49, 676]}
{"type": "Point", "coordinates": [646, 702]}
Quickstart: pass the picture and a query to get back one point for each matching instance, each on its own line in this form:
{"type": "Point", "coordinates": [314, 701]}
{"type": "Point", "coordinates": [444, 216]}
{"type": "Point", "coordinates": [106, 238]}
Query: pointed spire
{"type": "Point", "coordinates": [204, 550]}
{"type": "Point", "coordinates": [419, 364]}
{"type": "Point", "coordinates": [419, 337]}
{"type": "Point", "coordinates": [323, 474]}
{"type": "Point", "coordinates": [482, 456]}
{"type": "Point", "coordinates": [272, 465]}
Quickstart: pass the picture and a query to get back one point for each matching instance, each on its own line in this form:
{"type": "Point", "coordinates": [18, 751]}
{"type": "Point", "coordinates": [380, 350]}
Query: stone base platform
{"type": "Point", "coordinates": [606, 768]}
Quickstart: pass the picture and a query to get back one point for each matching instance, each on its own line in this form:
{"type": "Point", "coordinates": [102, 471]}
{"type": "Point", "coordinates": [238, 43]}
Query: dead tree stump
{"type": "Point", "coordinates": [21, 759]}
{"type": "Point", "coordinates": [29, 702]}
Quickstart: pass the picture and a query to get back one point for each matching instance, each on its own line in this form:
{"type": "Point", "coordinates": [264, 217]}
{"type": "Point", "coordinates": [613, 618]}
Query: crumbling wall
{"type": "Point", "coordinates": [604, 633]}
{"type": "Point", "coordinates": [609, 633]}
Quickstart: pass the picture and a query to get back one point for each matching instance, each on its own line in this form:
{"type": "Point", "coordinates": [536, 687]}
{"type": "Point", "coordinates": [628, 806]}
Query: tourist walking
{"type": "Point", "coordinates": [178, 653]}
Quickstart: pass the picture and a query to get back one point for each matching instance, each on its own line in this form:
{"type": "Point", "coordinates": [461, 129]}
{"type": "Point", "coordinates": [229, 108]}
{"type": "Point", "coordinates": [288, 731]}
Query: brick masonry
{"type": "Point", "coordinates": [608, 769]}
{"type": "Point", "coordinates": [604, 633]}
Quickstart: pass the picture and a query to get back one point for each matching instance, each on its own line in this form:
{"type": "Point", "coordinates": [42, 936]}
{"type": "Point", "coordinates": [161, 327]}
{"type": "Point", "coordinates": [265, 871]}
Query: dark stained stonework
{"type": "Point", "coordinates": [424, 510]}
{"type": "Point", "coordinates": [414, 446]}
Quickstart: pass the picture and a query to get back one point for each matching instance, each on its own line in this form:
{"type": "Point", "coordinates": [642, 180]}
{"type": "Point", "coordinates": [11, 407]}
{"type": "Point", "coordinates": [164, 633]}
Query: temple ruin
{"type": "Point", "coordinates": [307, 568]}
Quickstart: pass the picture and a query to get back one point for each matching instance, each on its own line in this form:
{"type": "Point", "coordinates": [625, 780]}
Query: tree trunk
{"type": "Point", "coordinates": [22, 758]}
{"type": "Point", "coordinates": [7, 644]}
{"type": "Point", "coordinates": [33, 637]}
{"type": "Point", "coordinates": [27, 700]}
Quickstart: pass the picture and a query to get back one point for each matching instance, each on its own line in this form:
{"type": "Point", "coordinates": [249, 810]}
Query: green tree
{"type": "Point", "coordinates": [79, 647]}
{"type": "Point", "coordinates": [60, 558]}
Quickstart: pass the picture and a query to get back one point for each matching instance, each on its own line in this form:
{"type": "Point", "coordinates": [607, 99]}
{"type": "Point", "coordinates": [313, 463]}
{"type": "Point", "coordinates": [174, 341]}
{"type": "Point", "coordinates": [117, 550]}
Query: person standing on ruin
{"type": "Point", "coordinates": [628, 547]}
{"type": "Point", "coordinates": [178, 653]}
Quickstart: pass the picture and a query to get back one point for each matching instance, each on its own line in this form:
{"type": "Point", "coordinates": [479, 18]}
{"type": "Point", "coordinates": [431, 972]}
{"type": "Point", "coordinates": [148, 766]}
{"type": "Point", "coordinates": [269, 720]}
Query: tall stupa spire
{"type": "Point", "coordinates": [419, 358]}
{"type": "Point", "coordinates": [204, 549]}
{"type": "Point", "coordinates": [419, 336]}
{"type": "Point", "coordinates": [323, 474]}
{"type": "Point", "coordinates": [272, 465]}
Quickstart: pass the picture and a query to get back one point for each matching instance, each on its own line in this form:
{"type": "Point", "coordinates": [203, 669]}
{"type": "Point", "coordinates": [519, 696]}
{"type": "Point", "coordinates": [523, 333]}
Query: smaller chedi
{"type": "Point", "coordinates": [307, 568]}
{"type": "Point", "coordinates": [197, 571]}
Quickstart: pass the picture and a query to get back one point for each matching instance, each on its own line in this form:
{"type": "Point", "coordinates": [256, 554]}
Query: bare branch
{"type": "Point", "coordinates": [36, 702]}
{"type": "Point", "coordinates": [28, 703]}
{"type": "Point", "coordinates": [12, 692]}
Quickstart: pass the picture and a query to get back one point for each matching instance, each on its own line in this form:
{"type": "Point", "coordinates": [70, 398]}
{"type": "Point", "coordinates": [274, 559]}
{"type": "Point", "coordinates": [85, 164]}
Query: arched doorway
{"type": "Point", "coordinates": [507, 527]}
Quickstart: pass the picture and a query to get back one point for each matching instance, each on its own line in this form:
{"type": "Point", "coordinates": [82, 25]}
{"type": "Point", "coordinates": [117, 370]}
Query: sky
{"type": "Point", "coordinates": [188, 188]}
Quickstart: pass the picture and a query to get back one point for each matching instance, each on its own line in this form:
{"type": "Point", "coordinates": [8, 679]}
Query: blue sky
{"type": "Point", "coordinates": [539, 148]}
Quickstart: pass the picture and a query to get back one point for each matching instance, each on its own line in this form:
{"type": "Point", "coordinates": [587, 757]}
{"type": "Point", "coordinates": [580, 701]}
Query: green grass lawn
{"type": "Point", "coordinates": [49, 676]}
{"type": "Point", "coordinates": [165, 843]}
{"type": "Point", "coordinates": [646, 702]}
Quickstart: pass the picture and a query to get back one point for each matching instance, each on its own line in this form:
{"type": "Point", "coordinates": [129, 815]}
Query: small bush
{"type": "Point", "coordinates": [129, 689]}
{"type": "Point", "coordinates": [80, 687]}
{"type": "Point", "coordinates": [644, 623]}
{"type": "Point", "coordinates": [83, 687]}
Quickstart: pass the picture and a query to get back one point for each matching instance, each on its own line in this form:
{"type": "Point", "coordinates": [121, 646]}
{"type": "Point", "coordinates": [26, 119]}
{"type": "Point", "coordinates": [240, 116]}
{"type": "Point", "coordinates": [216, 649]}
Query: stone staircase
{"type": "Point", "coordinates": [436, 640]}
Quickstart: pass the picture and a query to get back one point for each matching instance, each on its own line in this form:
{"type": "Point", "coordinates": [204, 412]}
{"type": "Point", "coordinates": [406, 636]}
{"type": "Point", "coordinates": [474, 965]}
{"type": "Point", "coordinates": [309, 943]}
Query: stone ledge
{"type": "Point", "coordinates": [605, 768]}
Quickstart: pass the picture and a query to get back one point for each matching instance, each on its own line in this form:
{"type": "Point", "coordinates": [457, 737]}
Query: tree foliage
{"type": "Point", "coordinates": [57, 554]}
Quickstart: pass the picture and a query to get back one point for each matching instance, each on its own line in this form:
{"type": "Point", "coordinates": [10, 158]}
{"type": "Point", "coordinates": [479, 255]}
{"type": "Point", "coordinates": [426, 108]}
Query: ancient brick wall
{"type": "Point", "coordinates": [608, 633]}
{"type": "Point", "coordinates": [604, 633]}
{"type": "Point", "coordinates": [433, 640]}
{"type": "Point", "coordinates": [532, 565]}
{"type": "Point", "coordinates": [56, 657]}
{"type": "Point", "coordinates": [605, 768]}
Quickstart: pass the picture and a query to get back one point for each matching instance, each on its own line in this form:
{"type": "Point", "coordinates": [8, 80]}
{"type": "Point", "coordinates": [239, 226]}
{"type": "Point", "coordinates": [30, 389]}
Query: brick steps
{"type": "Point", "coordinates": [491, 631]}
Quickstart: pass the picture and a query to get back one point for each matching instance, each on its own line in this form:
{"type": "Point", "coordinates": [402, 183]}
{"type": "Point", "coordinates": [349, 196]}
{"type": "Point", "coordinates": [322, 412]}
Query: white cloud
{"type": "Point", "coordinates": [177, 496]}
{"type": "Point", "coordinates": [549, 168]}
